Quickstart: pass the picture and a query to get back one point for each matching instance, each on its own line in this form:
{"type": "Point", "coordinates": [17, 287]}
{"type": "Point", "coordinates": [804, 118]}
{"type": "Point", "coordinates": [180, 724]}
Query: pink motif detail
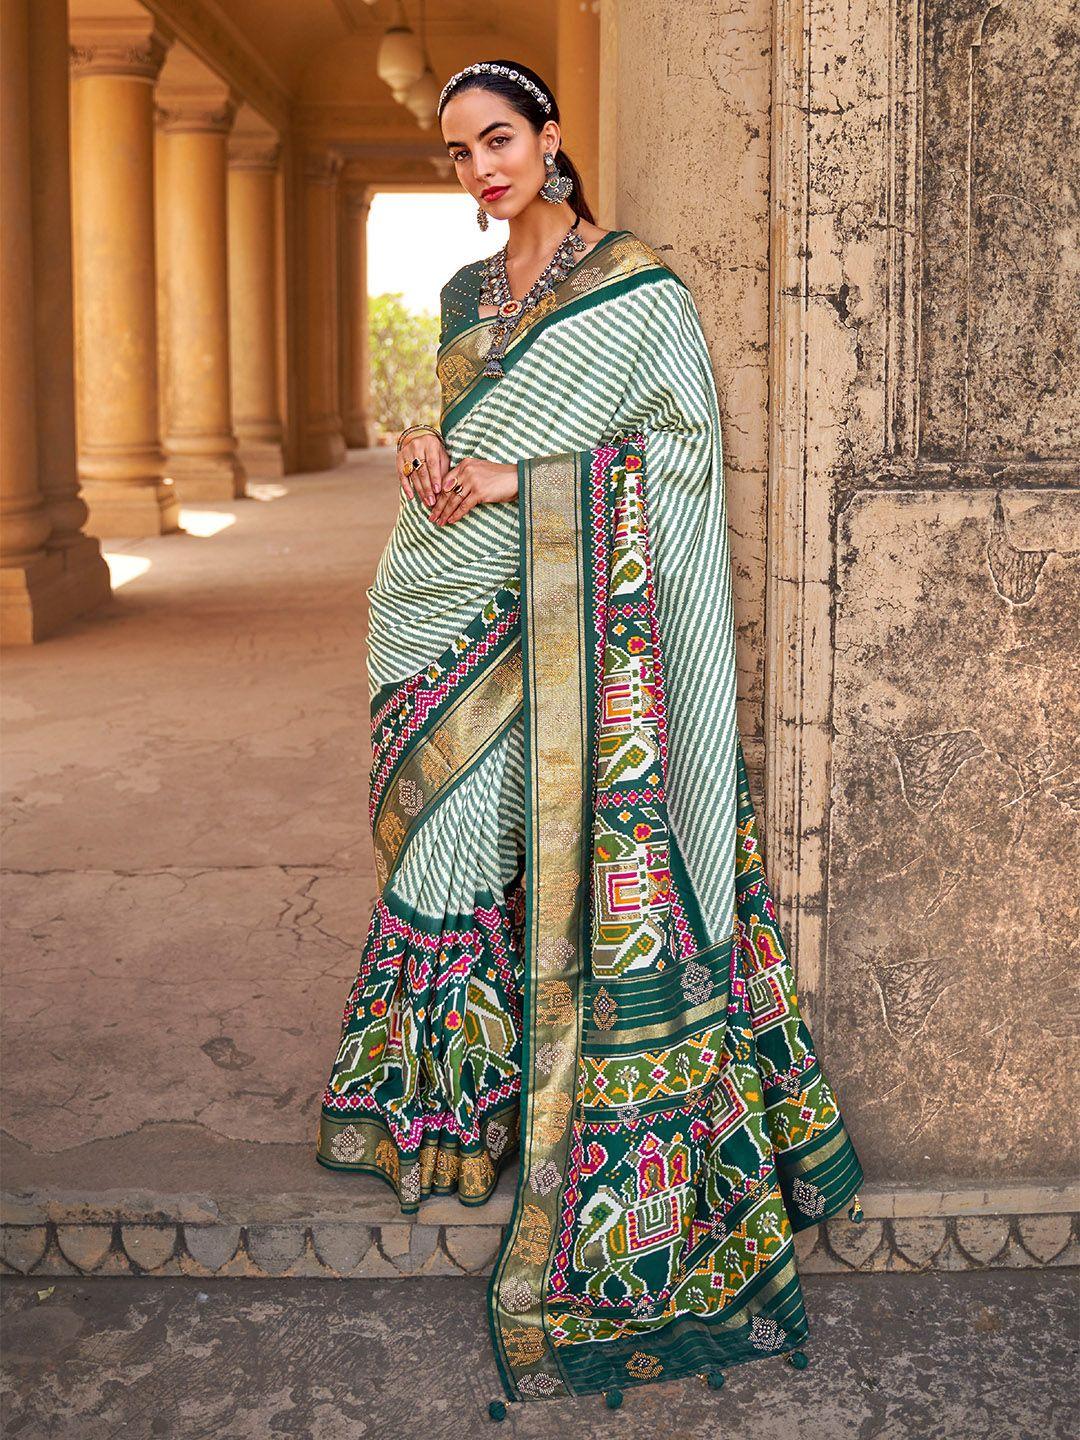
{"type": "Point", "coordinates": [415, 942]}
{"type": "Point", "coordinates": [760, 1181]}
{"type": "Point", "coordinates": [602, 456]}
{"type": "Point", "coordinates": [766, 1015]}
{"type": "Point", "coordinates": [408, 1137]}
{"type": "Point", "coordinates": [427, 699]}
{"type": "Point", "coordinates": [612, 799]}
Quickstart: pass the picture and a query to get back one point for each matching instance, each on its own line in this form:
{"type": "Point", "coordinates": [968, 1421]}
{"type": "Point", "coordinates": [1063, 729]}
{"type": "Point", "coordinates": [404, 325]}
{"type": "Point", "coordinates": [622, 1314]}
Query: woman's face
{"type": "Point", "coordinates": [494, 149]}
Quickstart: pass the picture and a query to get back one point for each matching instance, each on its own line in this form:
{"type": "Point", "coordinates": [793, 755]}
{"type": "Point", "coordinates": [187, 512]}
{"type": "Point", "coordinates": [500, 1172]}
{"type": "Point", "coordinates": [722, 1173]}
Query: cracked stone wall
{"type": "Point", "coordinates": [872, 207]}
{"type": "Point", "coordinates": [685, 151]}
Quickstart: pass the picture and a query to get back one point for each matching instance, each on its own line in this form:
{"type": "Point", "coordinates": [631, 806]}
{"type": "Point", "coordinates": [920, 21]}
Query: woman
{"type": "Point", "coordinates": [574, 954]}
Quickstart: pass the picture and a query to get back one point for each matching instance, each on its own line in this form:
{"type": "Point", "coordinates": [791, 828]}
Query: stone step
{"type": "Point", "coordinates": [343, 1226]}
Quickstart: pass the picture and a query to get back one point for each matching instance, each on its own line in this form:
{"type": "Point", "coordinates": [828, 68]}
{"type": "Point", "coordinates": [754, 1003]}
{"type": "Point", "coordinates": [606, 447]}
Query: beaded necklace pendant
{"type": "Point", "coordinates": [495, 290]}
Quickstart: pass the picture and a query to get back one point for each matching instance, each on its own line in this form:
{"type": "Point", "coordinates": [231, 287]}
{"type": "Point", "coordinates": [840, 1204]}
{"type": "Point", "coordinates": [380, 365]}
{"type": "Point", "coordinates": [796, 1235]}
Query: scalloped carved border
{"type": "Point", "coordinates": [350, 1251]}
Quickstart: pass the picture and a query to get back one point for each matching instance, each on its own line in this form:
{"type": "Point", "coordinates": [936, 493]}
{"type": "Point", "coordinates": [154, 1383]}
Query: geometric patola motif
{"type": "Point", "coordinates": [672, 1203]}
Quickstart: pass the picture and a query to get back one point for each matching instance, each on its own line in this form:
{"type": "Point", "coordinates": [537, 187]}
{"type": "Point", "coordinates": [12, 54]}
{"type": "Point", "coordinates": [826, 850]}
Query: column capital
{"type": "Point", "coordinates": [254, 152]}
{"type": "Point", "coordinates": [357, 202]}
{"type": "Point", "coordinates": [130, 47]}
{"type": "Point", "coordinates": [211, 110]}
{"type": "Point", "coordinates": [322, 167]}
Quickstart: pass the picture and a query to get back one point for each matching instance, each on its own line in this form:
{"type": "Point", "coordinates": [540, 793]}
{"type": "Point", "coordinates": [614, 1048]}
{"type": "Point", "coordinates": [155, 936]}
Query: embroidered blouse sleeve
{"type": "Point", "coordinates": [457, 301]}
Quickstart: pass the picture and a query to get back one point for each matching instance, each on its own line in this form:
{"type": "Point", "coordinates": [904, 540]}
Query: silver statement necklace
{"type": "Point", "coordinates": [495, 290]}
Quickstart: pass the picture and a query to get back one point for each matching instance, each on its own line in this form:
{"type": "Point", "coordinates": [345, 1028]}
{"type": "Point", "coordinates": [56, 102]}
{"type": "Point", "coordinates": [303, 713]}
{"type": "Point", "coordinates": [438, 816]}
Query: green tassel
{"type": "Point", "coordinates": [798, 1359]}
{"type": "Point", "coordinates": [613, 1399]}
{"type": "Point", "coordinates": [497, 1410]}
{"type": "Point", "coordinates": [855, 1211]}
{"type": "Point", "coordinates": [715, 1379]}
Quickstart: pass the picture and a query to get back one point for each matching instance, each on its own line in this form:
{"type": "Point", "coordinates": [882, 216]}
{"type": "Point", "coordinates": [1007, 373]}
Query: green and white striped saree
{"type": "Point", "coordinates": [574, 956]}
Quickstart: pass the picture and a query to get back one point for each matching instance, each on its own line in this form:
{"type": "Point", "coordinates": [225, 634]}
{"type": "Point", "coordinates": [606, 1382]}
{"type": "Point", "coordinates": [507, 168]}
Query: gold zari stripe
{"type": "Point", "coordinates": [465, 731]}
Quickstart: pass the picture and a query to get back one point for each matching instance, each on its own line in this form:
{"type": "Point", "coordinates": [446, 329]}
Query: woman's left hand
{"type": "Point", "coordinates": [481, 481]}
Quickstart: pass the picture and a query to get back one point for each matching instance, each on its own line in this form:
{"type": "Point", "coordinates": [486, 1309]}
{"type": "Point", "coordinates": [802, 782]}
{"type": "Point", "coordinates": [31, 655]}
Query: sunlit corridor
{"type": "Point", "coordinates": [188, 769]}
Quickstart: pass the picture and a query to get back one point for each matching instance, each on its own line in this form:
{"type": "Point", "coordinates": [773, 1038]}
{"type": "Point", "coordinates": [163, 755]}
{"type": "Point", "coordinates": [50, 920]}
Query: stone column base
{"type": "Point", "coordinates": [39, 598]}
{"type": "Point", "coordinates": [126, 511]}
{"type": "Point", "coordinates": [205, 477]}
{"type": "Point", "coordinates": [322, 451]}
{"type": "Point", "coordinates": [261, 459]}
{"type": "Point", "coordinates": [359, 432]}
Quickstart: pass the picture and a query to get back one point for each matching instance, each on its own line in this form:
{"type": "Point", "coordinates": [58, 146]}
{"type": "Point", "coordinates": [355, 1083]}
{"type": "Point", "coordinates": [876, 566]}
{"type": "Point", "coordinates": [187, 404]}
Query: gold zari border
{"type": "Point", "coordinates": [438, 760]}
{"type": "Point", "coordinates": [553, 587]}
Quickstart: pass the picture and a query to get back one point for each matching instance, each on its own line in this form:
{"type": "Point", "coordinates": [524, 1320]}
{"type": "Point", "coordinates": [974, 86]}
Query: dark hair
{"type": "Point", "coordinates": [526, 104]}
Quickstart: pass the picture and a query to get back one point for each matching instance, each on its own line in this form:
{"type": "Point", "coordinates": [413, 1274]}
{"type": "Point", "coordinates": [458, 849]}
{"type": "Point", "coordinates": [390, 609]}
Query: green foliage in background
{"type": "Point", "coordinates": [404, 390]}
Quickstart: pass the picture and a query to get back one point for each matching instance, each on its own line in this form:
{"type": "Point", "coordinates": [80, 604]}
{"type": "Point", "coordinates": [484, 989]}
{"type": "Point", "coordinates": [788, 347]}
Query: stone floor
{"type": "Point", "coordinates": [188, 869]}
{"type": "Point", "coordinates": [187, 882]}
{"type": "Point", "coordinates": [988, 1356]}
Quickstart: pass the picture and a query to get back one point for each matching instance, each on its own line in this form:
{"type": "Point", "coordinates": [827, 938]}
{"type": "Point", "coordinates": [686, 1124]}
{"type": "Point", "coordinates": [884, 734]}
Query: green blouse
{"type": "Point", "coordinates": [460, 295]}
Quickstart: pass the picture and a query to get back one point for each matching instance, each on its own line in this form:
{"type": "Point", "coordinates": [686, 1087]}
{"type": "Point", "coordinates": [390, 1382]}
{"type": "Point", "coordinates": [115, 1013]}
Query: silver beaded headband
{"type": "Point", "coordinates": [490, 68]}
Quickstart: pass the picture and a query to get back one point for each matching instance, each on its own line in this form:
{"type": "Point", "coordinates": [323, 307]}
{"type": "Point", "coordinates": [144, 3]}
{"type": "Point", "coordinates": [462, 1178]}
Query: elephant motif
{"type": "Point", "coordinates": [650, 1214]}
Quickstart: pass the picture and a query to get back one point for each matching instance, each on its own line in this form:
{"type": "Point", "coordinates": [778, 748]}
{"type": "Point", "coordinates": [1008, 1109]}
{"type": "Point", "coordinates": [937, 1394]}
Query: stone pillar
{"type": "Point", "coordinates": [577, 82]}
{"type": "Point", "coordinates": [26, 525]}
{"type": "Point", "coordinates": [49, 570]}
{"type": "Point", "coordinates": [253, 302]}
{"type": "Point", "coordinates": [193, 252]}
{"type": "Point", "coordinates": [610, 188]}
{"type": "Point", "coordinates": [356, 369]}
{"type": "Point", "coordinates": [120, 459]}
{"type": "Point", "coordinates": [322, 445]}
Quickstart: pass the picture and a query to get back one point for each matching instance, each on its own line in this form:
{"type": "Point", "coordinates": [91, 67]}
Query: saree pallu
{"type": "Point", "coordinates": [575, 956]}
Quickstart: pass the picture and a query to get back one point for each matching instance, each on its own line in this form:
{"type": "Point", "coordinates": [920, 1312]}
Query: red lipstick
{"type": "Point", "coordinates": [494, 192]}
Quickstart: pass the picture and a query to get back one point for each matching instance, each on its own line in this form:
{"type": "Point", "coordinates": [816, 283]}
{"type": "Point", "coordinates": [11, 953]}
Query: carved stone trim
{"type": "Point", "coordinates": [798, 666]}
{"type": "Point", "coordinates": [901, 310]}
{"type": "Point", "coordinates": [133, 49]}
{"type": "Point", "coordinates": [209, 115]}
{"type": "Point", "coordinates": [349, 1250]}
{"type": "Point", "coordinates": [250, 153]}
{"type": "Point", "coordinates": [322, 167]}
{"type": "Point", "coordinates": [804, 486]}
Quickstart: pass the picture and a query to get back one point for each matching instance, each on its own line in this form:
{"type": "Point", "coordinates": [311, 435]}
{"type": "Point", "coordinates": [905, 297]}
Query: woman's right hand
{"type": "Point", "coordinates": [426, 480]}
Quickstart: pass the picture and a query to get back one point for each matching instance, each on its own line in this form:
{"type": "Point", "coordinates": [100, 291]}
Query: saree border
{"type": "Point", "coordinates": [445, 1165]}
{"type": "Point", "coordinates": [400, 708]}
{"type": "Point", "coordinates": [436, 762]}
{"type": "Point", "coordinates": [626, 263]}
{"type": "Point", "coordinates": [556, 660]}
{"type": "Point", "coordinates": [448, 340]}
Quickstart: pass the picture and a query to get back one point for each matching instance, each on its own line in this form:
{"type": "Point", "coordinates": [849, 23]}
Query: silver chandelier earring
{"type": "Point", "coordinates": [481, 217]}
{"type": "Point", "coordinates": [557, 187]}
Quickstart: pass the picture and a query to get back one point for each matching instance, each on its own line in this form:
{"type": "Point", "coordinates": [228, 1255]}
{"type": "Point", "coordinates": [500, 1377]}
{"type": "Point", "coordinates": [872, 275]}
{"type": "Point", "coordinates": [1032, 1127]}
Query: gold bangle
{"type": "Point", "coordinates": [411, 430]}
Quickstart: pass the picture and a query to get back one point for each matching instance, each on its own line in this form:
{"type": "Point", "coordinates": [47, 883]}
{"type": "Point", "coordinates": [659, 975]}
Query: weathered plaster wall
{"type": "Point", "coordinates": [886, 272]}
{"type": "Point", "coordinates": [951, 966]}
{"type": "Point", "coordinates": [685, 134]}
{"type": "Point", "coordinates": [998, 352]}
